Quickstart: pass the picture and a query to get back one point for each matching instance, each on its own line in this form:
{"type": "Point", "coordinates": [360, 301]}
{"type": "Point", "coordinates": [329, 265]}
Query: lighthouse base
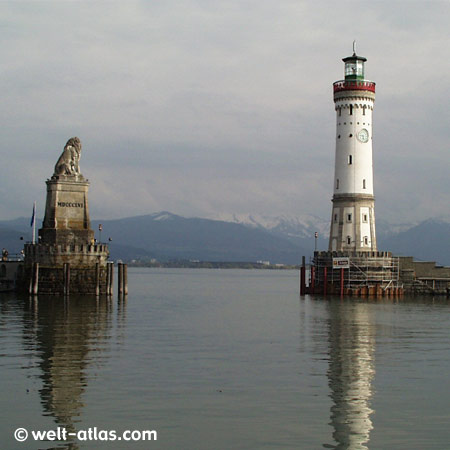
{"type": "Point", "coordinates": [353, 224]}
{"type": "Point", "coordinates": [355, 274]}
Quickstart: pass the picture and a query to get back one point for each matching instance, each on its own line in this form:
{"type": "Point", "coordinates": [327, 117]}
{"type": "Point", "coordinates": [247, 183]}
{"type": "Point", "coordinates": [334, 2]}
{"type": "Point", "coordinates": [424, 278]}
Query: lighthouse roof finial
{"type": "Point", "coordinates": [354, 56]}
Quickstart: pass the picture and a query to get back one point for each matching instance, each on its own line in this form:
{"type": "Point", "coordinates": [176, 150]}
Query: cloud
{"type": "Point", "coordinates": [204, 108]}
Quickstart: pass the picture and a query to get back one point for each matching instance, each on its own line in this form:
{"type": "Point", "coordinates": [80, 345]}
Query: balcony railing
{"type": "Point", "coordinates": [353, 85]}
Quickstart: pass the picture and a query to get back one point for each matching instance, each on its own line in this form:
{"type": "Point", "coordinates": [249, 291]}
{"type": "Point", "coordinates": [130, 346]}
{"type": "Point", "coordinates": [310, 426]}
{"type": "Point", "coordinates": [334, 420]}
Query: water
{"type": "Point", "coordinates": [221, 359]}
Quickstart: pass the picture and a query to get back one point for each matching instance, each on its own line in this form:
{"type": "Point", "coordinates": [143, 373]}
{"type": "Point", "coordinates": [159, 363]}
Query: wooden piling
{"type": "Point", "coordinates": [120, 278]}
{"type": "Point", "coordinates": [303, 277]}
{"type": "Point", "coordinates": [109, 278]}
{"type": "Point", "coordinates": [66, 276]}
{"type": "Point", "coordinates": [30, 285]}
{"type": "Point", "coordinates": [325, 281]}
{"type": "Point", "coordinates": [35, 278]}
{"type": "Point", "coordinates": [97, 279]}
{"type": "Point", "coordinates": [111, 269]}
{"type": "Point", "coordinates": [125, 279]}
{"type": "Point", "coordinates": [313, 281]}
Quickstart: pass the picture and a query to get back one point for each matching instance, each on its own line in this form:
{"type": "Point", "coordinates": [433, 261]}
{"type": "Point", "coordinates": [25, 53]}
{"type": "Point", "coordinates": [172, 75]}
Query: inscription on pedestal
{"type": "Point", "coordinates": [70, 205]}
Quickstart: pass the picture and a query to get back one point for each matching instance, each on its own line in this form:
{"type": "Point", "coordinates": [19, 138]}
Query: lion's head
{"type": "Point", "coordinates": [67, 163]}
{"type": "Point", "coordinates": [74, 142]}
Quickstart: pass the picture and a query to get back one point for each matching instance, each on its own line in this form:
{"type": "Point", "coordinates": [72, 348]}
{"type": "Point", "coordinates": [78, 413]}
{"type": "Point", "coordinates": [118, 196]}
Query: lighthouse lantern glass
{"type": "Point", "coordinates": [354, 69]}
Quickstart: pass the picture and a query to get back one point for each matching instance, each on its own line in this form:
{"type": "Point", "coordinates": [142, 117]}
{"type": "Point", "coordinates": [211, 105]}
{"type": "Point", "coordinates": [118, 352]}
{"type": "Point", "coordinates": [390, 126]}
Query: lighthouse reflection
{"type": "Point", "coordinates": [350, 373]}
{"type": "Point", "coordinates": [69, 336]}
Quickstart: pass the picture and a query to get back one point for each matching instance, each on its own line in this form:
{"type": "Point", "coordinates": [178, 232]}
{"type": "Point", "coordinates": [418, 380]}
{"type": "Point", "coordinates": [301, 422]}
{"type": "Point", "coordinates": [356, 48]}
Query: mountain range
{"type": "Point", "coordinates": [283, 239]}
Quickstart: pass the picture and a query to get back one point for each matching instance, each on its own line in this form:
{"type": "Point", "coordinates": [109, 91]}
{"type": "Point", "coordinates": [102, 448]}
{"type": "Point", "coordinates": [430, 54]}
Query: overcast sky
{"type": "Point", "coordinates": [209, 107]}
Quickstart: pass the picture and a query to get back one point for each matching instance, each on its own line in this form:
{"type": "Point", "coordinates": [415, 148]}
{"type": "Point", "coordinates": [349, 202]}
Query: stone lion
{"type": "Point", "coordinates": [67, 163]}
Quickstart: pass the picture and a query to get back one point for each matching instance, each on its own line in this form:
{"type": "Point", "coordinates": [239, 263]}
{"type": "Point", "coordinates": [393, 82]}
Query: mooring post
{"type": "Point", "coordinates": [120, 278]}
{"type": "Point", "coordinates": [342, 281]}
{"type": "Point", "coordinates": [30, 285]}
{"type": "Point", "coordinates": [125, 279]}
{"type": "Point", "coordinates": [97, 279]}
{"type": "Point", "coordinates": [35, 276]}
{"type": "Point", "coordinates": [109, 278]}
{"type": "Point", "coordinates": [303, 277]}
{"type": "Point", "coordinates": [66, 276]}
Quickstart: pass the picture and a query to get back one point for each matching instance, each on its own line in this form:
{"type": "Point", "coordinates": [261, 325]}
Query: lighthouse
{"type": "Point", "coordinates": [353, 265]}
{"type": "Point", "coordinates": [353, 212]}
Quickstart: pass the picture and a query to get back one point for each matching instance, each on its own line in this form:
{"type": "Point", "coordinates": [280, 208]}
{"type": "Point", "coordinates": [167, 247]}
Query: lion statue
{"type": "Point", "coordinates": [67, 163]}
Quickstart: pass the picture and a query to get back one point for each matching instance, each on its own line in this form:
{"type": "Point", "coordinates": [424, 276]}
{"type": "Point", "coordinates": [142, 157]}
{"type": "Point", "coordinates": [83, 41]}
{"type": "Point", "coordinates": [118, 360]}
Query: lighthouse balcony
{"type": "Point", "coordinates": [353, 85]}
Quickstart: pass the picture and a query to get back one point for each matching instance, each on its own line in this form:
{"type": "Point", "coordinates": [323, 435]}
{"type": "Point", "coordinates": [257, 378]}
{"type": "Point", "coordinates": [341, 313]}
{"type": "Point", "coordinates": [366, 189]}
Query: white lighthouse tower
{"type": "Point", "coordinates": [353, 265]}
{"type": "Point", "coordinates": [353, 213]}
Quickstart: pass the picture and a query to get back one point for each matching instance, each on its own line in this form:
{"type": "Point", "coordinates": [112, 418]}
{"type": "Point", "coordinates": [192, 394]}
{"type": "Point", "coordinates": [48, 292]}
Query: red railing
{"type": "Point", "coordinates": [353, 85]}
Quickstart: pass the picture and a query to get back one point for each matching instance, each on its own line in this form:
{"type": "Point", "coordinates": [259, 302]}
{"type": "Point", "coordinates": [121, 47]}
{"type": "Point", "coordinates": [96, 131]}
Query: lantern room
{"type": "Point", "coordinates": [354, 67]}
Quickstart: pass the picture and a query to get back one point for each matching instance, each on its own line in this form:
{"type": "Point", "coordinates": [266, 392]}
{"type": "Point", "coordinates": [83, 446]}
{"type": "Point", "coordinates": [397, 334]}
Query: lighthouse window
{"type": "Point", "coordinates": [364, 110]}
{"type": "Point", "coordinates": [351, 110]}
{"type": "Point", "coordinates": [337, 183]}
{"type": "Point", "coordinates": [335, 217]}
{"type": "Point", "coordinates": [339, 109]}
{"type": "Point", "coordinates": [364, 184]}
{"type": "Point", "coordinates": [365, 218]}
{"type": "Point", "coordinates": [350, 158]}
{"type": "Point", "coordinates": [349, 240]}
{"type": "Point", "coordinates": [366, 240]}
{"type": "Point", "coordinates": [350, 135]}
{"type": "Point", "coordinates": [349, 217]}
{"type": "Point", "coordinates": [339, 136]}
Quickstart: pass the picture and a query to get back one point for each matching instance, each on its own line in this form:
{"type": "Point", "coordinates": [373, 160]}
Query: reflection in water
{"type": "Point", "coordinates": [350, 373]}
{"type": "Point", "coordinates": [68, 336]}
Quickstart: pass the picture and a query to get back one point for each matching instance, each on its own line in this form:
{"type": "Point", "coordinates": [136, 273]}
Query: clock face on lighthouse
{"type": "Point", "coordinates": [363, 135]}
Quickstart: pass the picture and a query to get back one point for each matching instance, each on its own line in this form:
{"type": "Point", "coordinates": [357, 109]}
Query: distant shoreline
{"type": "Point", "coordinates": [213, 265]}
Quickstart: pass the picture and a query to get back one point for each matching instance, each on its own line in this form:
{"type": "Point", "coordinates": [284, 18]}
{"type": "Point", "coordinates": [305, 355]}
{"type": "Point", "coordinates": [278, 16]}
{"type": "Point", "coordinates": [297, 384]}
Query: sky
{"type": "Point", "coordinates": [205, 108]}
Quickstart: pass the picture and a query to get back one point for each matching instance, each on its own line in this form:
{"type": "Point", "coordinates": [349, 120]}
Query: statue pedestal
{"type": "Point", "coordinates": [66, 219]}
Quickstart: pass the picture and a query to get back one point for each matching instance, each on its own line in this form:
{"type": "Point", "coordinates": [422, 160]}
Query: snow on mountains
{"type": "Point", "coordinates": [303, 226]}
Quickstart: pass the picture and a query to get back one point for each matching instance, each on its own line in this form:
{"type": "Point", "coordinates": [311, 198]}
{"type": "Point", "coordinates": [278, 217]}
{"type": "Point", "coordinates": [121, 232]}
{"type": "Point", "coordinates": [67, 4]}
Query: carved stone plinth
{"type": "Point", "coordinates": [66, 219]}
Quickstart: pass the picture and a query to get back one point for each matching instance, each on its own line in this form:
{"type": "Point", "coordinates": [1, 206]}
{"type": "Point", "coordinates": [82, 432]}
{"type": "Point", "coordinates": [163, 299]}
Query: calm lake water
{"type": "Point", "coordinates": [227, 359]}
